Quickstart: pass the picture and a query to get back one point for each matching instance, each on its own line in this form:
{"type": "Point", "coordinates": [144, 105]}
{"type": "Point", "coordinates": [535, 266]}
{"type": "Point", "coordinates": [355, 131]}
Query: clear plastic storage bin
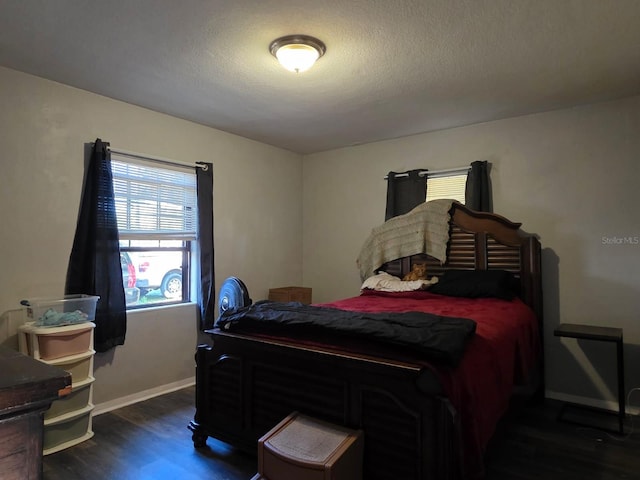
{"type": "Point", "coordinates": [68, 310]}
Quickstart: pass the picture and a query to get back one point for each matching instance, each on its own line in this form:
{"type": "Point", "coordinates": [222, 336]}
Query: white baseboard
{"type": "Point", "coordinates": [141, 396]}
{"type": "Point", "coordinates": [590, 402]}
{"type": "Point", "coordinates": [187, 382]}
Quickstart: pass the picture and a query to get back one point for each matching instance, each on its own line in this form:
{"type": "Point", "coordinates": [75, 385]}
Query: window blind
{"type": "Point", "coordinates": [449, 187]}
{"type": "Point", "coordinates": [154, 202]}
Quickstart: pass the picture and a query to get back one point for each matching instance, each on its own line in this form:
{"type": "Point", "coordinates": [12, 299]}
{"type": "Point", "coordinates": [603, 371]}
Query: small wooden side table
{"type": "Point", "coordinates": [601, 334]}
{"type": "Point", "coordinates": [290, 294]}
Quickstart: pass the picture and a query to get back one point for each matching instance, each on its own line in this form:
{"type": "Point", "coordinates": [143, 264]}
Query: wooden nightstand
{"type": "Point", "coordinates": [290, 294]}
{"type": "Point", "coordinates": [601, 334]}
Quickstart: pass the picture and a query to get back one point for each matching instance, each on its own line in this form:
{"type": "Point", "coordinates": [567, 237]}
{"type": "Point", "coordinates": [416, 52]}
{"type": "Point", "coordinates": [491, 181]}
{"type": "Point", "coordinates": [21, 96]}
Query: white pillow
{"type": "Point", "coordinates": [384, 282]}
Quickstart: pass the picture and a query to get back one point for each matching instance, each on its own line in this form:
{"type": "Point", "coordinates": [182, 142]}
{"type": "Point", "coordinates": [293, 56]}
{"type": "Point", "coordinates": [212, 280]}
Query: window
{"type": "Point", "coordinates": [157, 222]}
{"type": "Point", "coordinates": [449, 184]}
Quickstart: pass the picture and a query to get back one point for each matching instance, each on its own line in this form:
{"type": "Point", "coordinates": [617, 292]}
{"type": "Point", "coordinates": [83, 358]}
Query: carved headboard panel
{"type": "Point", "coordinates": [485, 241]}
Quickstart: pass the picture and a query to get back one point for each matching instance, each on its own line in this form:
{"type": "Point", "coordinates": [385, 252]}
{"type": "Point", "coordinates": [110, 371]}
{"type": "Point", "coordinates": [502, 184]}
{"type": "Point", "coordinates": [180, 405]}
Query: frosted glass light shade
{"type": "Point", "coordinates": [297, 53]}
{"type": "Point", "coordinates": [297, 57]}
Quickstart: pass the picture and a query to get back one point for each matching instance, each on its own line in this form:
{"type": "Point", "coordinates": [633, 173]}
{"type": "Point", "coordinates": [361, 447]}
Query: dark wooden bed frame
{"type": "Point", "coordinates": [246, 385]}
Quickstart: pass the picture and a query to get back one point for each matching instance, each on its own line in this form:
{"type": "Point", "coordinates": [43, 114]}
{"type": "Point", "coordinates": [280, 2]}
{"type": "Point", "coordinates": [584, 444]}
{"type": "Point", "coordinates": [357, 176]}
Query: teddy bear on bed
{"type": "Point", "coordinates": [418, 272]}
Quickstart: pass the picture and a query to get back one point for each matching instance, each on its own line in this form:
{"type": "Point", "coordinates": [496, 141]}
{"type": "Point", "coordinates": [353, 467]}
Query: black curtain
{"type": "Point", "coordinates": [94, 263]}
{"type": "Point", "coordinates": [478, 187]}
{"type": "Point", "coordinates": [405, 191]}
{"type": "Point", "coordinates": [204, 182]}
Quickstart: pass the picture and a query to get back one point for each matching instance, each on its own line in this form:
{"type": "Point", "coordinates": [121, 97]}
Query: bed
{"type": "Point", "coordinates": [422, 419]}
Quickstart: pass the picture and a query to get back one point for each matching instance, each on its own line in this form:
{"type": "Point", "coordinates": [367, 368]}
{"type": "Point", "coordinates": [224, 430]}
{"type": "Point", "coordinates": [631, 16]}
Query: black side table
{"type": "Point", "coordinates": [602, 334]}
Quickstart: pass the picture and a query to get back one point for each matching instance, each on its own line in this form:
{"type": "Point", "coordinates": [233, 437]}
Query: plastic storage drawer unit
{"type": "Point", "coordinates": [48, 343]}
{"type": "Point", "coordinates": [70, 347]}
{"type": "Point", "coordinates": [79, 398]}
{"type": "Point", "coordinates": [80, 365]}
{"type": "Point", "coordinates": [67, 430]}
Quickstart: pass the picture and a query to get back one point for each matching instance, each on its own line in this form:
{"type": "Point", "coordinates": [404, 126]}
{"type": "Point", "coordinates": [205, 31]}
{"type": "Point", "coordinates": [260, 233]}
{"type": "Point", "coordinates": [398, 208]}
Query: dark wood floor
{"type": "Point", "coordinates": [534, 445]}
{"type": "Point", "coordinates": [150, 440]}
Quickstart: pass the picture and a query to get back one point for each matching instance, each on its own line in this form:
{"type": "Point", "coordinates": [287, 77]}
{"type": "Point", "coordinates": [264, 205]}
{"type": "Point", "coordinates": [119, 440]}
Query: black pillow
{"type": "Point", "coordinates": [476, 284]}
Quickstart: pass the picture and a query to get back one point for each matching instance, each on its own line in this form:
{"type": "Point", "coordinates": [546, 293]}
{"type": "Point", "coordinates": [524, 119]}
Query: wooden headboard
{"type": "Point", "coordinates": [485, 241]}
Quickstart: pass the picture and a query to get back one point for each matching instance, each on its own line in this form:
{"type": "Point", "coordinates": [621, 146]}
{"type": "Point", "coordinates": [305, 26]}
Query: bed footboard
{"type": "Point", "coordinates": [245, 386]}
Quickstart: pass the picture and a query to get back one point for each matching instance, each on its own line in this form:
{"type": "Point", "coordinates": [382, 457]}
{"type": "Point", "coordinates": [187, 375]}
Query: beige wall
{"type": "Point", "coordinates": [570, 176]}
{"type": "Point", "coordinates": [44, 127]}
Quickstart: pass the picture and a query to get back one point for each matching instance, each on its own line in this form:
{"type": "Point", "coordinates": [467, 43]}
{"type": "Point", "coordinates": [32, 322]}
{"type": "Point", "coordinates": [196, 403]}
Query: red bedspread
{"type": "Point", "coordinates": [506, 346]}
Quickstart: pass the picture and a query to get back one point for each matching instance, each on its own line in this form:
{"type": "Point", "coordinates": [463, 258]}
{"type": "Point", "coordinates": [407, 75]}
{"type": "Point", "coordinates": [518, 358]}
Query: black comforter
{"type": "Point", "coordinates": [440, 339]}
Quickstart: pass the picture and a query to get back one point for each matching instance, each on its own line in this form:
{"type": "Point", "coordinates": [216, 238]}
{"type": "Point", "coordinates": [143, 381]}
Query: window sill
{"type": "Point", "coordinates": [137, 311]}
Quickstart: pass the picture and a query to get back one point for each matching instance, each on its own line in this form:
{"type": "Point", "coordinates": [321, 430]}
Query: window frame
{"type": "Point", "coordinates": [186, 265]}
{"type": "Point", "coordinates": [132, 242]}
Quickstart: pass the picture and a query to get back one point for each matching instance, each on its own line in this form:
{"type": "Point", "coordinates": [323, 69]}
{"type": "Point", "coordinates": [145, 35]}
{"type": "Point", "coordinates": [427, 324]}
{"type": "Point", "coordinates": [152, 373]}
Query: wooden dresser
{"type": "Point", "coordinates": [27, 388]}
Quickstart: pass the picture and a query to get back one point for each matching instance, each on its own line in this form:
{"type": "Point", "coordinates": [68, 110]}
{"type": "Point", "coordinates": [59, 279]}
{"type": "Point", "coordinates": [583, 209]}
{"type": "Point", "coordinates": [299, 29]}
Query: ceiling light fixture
{"type": "Point", "coordinates": [297, 52]}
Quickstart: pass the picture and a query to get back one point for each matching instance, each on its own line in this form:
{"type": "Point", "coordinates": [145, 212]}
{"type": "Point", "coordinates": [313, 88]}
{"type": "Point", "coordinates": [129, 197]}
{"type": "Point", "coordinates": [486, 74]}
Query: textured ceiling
{"type": "Point", "coordinates": [392, 67]}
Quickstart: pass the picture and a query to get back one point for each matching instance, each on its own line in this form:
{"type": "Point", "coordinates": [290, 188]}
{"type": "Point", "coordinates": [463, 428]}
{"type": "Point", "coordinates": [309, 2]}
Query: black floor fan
{"type": "Point", "coordinates": [233, 293]}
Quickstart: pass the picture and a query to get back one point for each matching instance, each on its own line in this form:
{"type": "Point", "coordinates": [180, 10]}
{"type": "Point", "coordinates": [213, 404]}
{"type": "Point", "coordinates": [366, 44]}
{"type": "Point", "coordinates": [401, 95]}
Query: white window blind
{"type": "Point", "coordinates": [449, 187]}
{"type": "Point", "coordinates": [154, 202]}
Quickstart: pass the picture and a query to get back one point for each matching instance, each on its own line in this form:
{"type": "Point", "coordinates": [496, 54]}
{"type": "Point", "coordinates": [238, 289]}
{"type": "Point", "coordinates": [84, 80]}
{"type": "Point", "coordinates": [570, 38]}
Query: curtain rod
{"type": "Point", "coordinates": [428, 173]}
{"type": "Point", "coordinates": [165, 161]}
